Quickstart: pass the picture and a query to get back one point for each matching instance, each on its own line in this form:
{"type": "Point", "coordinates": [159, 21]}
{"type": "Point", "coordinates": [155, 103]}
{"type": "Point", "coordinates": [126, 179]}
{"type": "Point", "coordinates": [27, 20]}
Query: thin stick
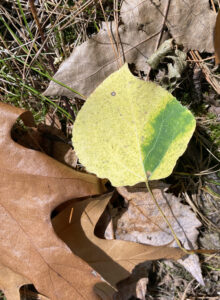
{"type": "Point", "coordinates": [162, 27]}
{"type": "Point", "coordinates": [192, 251]}
{"type": "Point", "coordinates": [117, 33]}
{"type": "Point", "coordinates": [160, 34]}
{"type": "Point", "coordinates": [34, 13]}
{"type": "Point", "coordinates": [71, 215]}
{"type": "Point", "coordinates": [213, 6]}
{"type": "Point", "coordinates": [76, 13]}
{"type": "Point", "coordinates": [166, 220]}
{"type": "Point", "coordinates": [195, 57]}
{"type": "Point", "coordinates": [109, 34]}
{"type": "Point", "coordinates": [204, 59]}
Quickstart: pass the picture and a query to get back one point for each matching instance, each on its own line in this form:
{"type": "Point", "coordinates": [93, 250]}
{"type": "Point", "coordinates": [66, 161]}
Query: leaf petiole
{"type": "Point", "coordinates": [192, 251]}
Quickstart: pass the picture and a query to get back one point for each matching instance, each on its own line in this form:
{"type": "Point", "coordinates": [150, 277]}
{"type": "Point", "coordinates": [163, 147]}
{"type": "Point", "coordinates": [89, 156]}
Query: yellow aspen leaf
{"type": "Point", "coordinates": [130, 130]}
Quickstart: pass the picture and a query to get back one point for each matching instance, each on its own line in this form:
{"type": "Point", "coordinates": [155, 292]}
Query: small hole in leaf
{"type": "Point", "coordinates": [113, 93]}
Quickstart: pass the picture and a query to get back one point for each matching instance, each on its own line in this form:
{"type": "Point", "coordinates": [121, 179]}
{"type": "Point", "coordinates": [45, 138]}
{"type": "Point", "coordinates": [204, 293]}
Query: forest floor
{"type": "Point", "coordinates": [37, 36]}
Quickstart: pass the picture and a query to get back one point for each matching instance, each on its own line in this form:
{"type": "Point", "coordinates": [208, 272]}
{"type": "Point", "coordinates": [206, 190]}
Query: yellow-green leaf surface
{"type": "Point", "coordinates": [129, 130]}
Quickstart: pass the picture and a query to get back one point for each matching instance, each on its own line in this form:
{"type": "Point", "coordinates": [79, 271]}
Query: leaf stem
{"type": "Point", "coordinates": [168, 223]}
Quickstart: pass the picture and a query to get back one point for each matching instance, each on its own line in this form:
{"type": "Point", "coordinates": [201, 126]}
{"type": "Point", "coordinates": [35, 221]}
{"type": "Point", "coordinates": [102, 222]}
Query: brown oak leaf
{"type": "Point", "coordinates": [32, 185]}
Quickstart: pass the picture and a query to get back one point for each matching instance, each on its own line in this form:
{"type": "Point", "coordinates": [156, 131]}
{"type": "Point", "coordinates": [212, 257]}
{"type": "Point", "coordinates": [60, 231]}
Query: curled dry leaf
{"type": "Point", "coordinates": [161, 53]}
{"type": "Point", "coordinates": [113, 259]}
{"type": "Point", "coordinates": [32, 185]}
{"type": "Point", "coordinates": [191, 24]}
{"type": "Point", "coordinates": [169, 74]}
{"type": "Point", "coordinates": [143, 222]}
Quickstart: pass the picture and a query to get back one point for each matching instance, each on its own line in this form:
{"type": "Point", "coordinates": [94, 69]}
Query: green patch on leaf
{"type": "Point", "coordinates": [130, 129]}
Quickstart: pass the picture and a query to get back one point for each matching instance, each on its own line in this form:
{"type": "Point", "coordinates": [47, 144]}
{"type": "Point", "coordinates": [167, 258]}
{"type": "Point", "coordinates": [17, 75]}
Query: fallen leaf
{"type": "Point", "coordinates": [125, 131]}
{"type": "Point", "coordinates": [32, 185]}
{"type": "Point", "coordinates": [217, 39]}
{"type": "Point", "coordinates": [143, 222]}
{"type": "Point", "coordinates": [91, 68]}
{"type": "Point", "coordinates": [191, 24]}
{"type": "Point", "coordinates": [112, 259]}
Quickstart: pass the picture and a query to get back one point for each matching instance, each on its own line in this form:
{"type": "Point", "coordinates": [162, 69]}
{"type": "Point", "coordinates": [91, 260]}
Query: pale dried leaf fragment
{"type": "Point", "coordinates": [176, 69]}
{"type": "Point", "coordinates": [32, 185]}
{"type": "Point", "coordinates": [161, 53]}
{"type": "Point", "coordinates": [143, 222]}
{"type": "Point", "coordinates": [170, 76]}
{"type": "Point", "coordinates": [137, 289]}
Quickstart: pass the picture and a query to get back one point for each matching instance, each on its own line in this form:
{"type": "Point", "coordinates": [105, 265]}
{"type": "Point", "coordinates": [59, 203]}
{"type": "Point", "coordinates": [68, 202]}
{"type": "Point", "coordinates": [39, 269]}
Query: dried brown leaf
{"type": "Point", "coordinates": [113, 259]}
{"type": "Point", "coordinates": [143, 222]}
{"type": "Point", "coordinates": [95, 59]}
{"type": "Point", "coordinates": [191, 23]}
{"type": "Point", "coordinates": [32, 185]}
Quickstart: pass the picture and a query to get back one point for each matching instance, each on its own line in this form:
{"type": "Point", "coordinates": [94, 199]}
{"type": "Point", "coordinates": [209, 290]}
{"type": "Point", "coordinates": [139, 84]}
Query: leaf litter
{"type": "Point", "coordinates": [156, 2]}
{"type": "Point", "coordinates": [107, 253]}
{"type": "Point", "coordinates": [113, 259]}
{"type": "Point", "coordinates": [190, 23]}
{"type": "Point", "coordinates": [105, 256]}
{"type": "Point", "coordinates": [143, 223]}
{"type": "Point", "coordinates": [108, 257]}
{"type": "Point", "coordinates": [140, 223]}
